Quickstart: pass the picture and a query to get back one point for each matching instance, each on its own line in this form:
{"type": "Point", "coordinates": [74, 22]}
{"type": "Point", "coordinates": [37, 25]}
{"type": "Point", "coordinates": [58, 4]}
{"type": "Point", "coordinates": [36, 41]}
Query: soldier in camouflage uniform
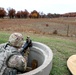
{"type": "Point", "coordinates": [10, 58]}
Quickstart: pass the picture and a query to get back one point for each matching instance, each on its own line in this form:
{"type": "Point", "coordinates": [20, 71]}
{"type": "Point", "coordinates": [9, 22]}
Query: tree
{"type": "Point", "coordinates": [34, 14]}
{"type": "Point", "coordinates": [25, 13]}
{"type": "Point", "coordinates": [11, 13]}
{"type": "Point", "coordinates": [49, 15]}
{"type": "Point", "coordinates": [22, 14]}
{"type": "Point", "coordinates": [2, 12]}
{"type": "Point", "coordinates": [18, 14]}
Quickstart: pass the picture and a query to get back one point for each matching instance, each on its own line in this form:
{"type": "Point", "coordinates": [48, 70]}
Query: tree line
{"type": "Point", "coordinates": [34, 14]}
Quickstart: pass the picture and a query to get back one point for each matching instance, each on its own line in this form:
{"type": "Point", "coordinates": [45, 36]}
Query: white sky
{"type": "Point", "coordinates": [45, 6]}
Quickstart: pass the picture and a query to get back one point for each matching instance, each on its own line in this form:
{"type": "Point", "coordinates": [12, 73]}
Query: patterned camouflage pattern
{"type": "Point", "coordinates": [15, 43]}
{"type": "Point", "coordinates": [18, 62]}
{"type": "Point", "coordinates": [16, 39]}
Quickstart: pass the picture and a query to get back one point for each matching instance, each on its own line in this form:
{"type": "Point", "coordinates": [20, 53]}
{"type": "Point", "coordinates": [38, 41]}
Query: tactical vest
{"type": "Point", "coordinates": [5, 53]}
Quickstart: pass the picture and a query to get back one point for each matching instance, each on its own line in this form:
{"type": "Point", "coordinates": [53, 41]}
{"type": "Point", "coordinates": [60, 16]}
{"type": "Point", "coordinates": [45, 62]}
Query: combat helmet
{"type": "Point", "coordinates": [16, 39]}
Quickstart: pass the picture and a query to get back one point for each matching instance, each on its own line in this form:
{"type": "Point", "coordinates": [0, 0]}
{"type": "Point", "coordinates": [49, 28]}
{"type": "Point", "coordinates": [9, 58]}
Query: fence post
{"type": "Point", "coordinates": [68, 30]}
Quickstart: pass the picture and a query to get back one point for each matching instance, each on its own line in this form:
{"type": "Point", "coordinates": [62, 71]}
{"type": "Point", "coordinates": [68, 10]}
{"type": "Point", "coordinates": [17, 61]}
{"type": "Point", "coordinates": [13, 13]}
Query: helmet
{"type": "Point", "coordinates": [18, 62]}
{"type": "Point", "coordinates": [16, 39]}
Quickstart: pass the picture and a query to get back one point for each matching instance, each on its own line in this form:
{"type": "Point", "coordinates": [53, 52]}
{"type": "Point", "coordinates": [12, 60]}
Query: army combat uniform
{"type": "Point", "coordinates": [15, 42]}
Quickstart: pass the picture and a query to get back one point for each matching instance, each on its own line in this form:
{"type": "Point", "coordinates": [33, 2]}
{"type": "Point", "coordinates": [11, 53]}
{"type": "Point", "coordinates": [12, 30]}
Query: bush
{"type": "Point", "coordinates": [55, 32]}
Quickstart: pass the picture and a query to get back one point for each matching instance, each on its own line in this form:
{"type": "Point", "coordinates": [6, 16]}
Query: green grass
{"type": "Point", "coordinates": [62, 50]}
{"type": "Point", "coordinates": [4, 37]}
{"type": "Point", "coordinates": [61, 47]}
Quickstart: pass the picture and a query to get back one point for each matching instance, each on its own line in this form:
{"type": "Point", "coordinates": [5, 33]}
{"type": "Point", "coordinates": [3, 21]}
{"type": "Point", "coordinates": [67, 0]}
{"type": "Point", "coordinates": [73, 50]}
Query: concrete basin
{"type": "Point", "coordinates": [44, 55]}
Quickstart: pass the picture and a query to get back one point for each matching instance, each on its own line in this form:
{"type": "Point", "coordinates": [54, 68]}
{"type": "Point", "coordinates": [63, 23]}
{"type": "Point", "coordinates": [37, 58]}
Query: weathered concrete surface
{"type": "Point", "coordinates": [43, 54]}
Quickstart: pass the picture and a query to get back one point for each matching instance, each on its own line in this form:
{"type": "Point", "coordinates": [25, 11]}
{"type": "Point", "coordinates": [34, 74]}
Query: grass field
{"type": "Point", "coordinates": [62, 48]}
{"type": "Point", "coordinates": [40, 30]}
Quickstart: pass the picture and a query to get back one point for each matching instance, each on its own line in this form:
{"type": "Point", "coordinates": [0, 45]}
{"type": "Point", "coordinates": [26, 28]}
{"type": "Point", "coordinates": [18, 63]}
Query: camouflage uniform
{"type": "Point", "coordinates": [4, 55]}
{"type": "Point", "coordinates": [15, 42]}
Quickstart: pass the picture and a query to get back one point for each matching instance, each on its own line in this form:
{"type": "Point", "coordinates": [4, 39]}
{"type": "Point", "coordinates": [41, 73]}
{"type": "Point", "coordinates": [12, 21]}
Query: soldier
{"type": "Point", "coordinates": [11, 60]}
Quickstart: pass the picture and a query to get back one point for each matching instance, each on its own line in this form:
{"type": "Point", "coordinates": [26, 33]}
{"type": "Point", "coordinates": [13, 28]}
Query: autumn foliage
{"type": "Point", "coordinates": [22, 14]}
{"type": "Point", "coordinates": [34, 14]}
{"type": "Point", "coordinates": [12, 13]}
{"type": "Point", "coordinates": [2, 12]}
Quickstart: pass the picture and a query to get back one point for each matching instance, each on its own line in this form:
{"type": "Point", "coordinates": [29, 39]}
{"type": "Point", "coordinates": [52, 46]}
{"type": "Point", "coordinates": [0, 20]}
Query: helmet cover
{"type": "Point", "coordinates": [16, 39]}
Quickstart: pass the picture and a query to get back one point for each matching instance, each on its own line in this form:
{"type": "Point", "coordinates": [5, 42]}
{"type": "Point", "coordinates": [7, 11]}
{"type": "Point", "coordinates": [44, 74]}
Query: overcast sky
{"type": "Point", "coordinates": [45, 6]}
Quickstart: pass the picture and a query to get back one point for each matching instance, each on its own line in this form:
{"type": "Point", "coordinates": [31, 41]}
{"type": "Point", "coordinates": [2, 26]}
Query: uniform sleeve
{"type": "Point", "coordinates": [2, 58]}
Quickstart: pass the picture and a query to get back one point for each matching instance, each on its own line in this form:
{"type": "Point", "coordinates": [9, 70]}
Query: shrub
{"type": "Point", "coordinates": [55, 32]}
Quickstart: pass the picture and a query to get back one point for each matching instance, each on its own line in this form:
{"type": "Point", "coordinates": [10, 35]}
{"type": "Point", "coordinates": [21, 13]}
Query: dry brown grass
{"type": "Point", "coordinates": [40, 26]}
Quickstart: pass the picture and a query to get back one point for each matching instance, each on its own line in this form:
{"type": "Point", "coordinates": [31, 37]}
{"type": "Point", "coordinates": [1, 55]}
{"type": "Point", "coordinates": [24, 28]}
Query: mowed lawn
{"type": "Point", "coordinates": [62, 48]}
